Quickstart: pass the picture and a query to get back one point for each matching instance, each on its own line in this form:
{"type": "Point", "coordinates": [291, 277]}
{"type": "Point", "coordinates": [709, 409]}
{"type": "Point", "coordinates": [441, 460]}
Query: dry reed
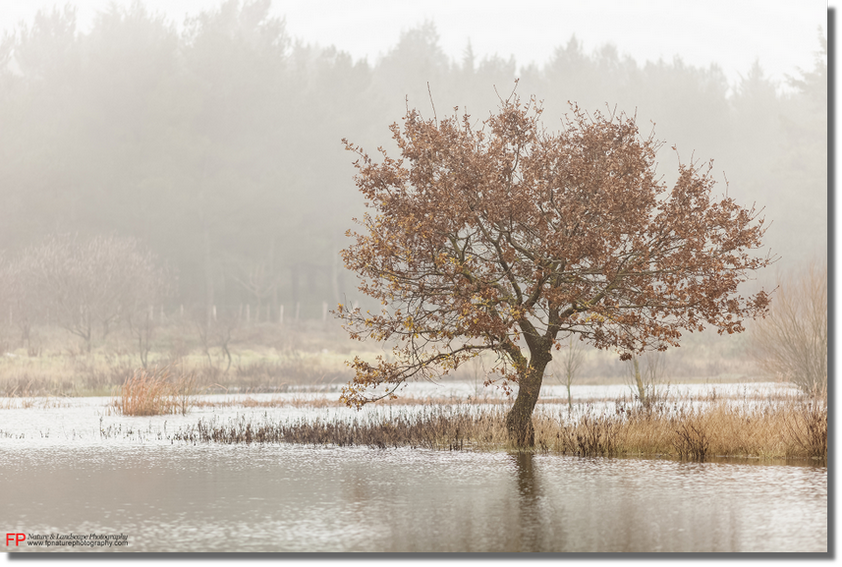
{"type": "Point", "coordinates": [787, 428]}
{"type": "Point", "coordinates": [794, 428]}
{"type": "Point", "coordinates": [156, 391]}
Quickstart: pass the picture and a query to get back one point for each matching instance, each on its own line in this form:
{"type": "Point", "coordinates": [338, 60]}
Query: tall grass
{"type": "Point", "coordinates": [156, 391]}
{"type": "Point", "coordinates": [790, 428]}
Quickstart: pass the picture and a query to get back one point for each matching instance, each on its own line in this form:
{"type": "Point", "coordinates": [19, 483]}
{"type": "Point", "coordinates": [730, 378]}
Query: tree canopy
{"type": "Point", "coordinates": [504, 237]}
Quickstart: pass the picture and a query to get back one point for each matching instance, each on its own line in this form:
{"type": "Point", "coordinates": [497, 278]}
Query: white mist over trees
{"type": "Point", "coordinates": [218, 146]}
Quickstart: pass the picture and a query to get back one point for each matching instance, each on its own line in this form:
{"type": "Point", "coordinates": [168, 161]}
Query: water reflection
{"type": "Point", "coordinates": [529, 527]}
{"type": "Point", "coordinates": [69, 477]}
{"type": "Point", "coordinates": [294, 498]}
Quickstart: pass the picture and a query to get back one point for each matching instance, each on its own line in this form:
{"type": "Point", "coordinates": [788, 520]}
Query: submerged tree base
{"type": "Point", "coordinates": [775, 429]}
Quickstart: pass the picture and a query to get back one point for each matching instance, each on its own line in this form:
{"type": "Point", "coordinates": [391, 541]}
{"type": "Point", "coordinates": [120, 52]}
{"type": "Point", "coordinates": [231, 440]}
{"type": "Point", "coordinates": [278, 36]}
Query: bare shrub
{"type": "Point", "coordinates": [82, 281]}
{"type": "Point", "coordinates": [645, 384]}
{"type": "Point", "coordinates": [691, 442]}
{"type": "Point", "coordinates": [19, 305]}
{"type": "Point", "coordinates": [591, 436]}
{"type": "Point", "coordinates": [791, 341]}
{"type": "Point", "coordinates": [568, 366]}
{"type": "Point", "coordinates": [216, 333]}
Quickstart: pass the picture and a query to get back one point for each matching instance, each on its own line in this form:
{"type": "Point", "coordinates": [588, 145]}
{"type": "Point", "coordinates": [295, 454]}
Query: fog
{"type": "Point", "coordinates": [214, 140]}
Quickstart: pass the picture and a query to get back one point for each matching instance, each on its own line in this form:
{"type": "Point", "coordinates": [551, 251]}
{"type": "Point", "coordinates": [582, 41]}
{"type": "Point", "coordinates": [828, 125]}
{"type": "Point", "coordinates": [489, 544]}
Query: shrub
{"type": "Point", "coordinates": [791, 342]}
{"type": "Point", "coordinates": [155, 392]}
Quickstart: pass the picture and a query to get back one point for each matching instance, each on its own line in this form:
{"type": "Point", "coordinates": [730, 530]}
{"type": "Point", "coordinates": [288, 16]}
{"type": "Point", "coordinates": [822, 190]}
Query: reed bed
{"type": "Point", "coordinates": [156, 391]}
{"type": "Point", "coordinates": [774, 429]}
{"type": "Point", "coordinates": [436, 427]}
{"type": "Point", "coordinates": [791, 428]}
{"type": "Point", "coordinates": [486, 399]}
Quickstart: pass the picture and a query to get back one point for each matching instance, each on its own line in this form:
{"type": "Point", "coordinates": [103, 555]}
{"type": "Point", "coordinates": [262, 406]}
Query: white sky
{"type": "Point", "coordinates": [732, 33]}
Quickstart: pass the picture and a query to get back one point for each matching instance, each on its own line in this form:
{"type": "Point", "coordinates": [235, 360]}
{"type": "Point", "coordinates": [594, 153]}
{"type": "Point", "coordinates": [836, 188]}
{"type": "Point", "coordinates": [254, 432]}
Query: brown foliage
{"type": "Point", "coordinates": [488, 238]}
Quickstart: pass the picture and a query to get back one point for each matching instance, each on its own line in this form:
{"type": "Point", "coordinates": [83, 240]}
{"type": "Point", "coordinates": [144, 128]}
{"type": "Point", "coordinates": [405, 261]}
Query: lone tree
{"type": "Point", "coordinates": [510, 239]}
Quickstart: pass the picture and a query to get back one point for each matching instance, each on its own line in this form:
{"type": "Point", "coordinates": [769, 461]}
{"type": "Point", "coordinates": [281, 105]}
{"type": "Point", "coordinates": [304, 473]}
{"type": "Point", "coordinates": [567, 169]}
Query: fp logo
{"type": "Point", "coordinates": [17, 538]}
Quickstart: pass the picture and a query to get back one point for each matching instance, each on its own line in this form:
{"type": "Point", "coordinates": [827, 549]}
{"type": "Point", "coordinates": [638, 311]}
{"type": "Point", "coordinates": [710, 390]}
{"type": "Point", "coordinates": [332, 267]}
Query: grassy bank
{"type": "Point", "coordinates": [268, 357]}
{"type": "Point", "coordinates": [785, 428]}
{"type": "Point", "coordinates": [258, 358]}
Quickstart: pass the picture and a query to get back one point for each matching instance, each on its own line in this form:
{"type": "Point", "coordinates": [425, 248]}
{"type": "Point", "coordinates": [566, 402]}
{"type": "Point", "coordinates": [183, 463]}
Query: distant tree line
{"type": "Point", "coordinates": [217, 144]}
{"type": "Point", "coordinates": [80, 284]}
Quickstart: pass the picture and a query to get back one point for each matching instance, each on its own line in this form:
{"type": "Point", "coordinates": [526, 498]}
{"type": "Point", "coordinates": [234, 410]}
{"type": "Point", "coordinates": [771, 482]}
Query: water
{"type": "Point", "coordinates": [61, 475]}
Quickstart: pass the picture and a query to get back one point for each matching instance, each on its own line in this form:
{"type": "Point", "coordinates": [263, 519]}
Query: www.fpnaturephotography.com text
{"type": "Point", "coordinates": [54, 540]}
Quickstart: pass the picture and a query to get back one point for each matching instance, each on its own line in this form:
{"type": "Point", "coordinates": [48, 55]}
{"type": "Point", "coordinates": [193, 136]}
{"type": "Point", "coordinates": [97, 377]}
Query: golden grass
{"type": "Point", "coordinates": [782, 428]}
{"type": "Point", "coordinates": [156, 392]}
{"type": "Point", "coordinates": [794, 428]}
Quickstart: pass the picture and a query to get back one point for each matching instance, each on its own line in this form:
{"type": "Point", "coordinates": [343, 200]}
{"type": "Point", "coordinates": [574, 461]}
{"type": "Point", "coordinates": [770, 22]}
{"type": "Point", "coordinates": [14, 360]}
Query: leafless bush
{"type": "Point", "coordinates": [791, 342]}
{"type": "Point", "coordinates": [566, 363]}
{"type": "Point", "coordinates": [20, 307]}
{"type": "Point", "coordinates": [691, 442]}
{"type": "Point", "coordinates": [216, 333]}
{"type": "Point", "coordinates": [258, 279]}
{"type": "Point", "coordinates": [645, 382]}
{"type": "Point", "coordinates": [83, 281]}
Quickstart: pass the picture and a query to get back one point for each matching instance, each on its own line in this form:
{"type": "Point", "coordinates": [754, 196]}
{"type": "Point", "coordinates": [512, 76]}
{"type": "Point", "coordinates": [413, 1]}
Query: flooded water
{"type": "Point", "coordinates": [62, 476]}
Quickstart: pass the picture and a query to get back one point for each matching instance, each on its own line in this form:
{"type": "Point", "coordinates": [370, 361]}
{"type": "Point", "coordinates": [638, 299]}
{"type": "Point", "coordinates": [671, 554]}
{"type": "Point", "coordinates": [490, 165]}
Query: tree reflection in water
{"type": "Point", "coordinates": [531, 528]}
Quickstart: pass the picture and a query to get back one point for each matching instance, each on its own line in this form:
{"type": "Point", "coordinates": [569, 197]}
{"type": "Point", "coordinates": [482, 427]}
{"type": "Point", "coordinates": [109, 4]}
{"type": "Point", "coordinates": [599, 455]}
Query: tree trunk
{"type": "Point", "coordinates": [519, 420]}
{"type": "Point", "coordinates": [274, 279]}
{"type": "Point", "coordinates": [641, 390]}
{"type": "Point", "coordinates": [209, 291]}
{"type": "Point", "coordinates": [88, 331]}
{"type": "Point", "coordinates": [294, 280]}
{"type": "Point", "coordinates": [569, 397]}
{"type": "Point", "coordinates": [334, 277]}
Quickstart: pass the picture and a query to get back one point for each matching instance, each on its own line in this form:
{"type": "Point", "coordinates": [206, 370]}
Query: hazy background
{"type": "Point", "coordinates": [211, 131]}
{"type": "Point", "coordinates": [729, 33]}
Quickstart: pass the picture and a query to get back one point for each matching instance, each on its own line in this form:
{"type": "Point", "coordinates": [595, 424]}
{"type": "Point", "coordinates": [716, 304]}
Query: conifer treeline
{"type": "Point", "coordinates": [218, 143]}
